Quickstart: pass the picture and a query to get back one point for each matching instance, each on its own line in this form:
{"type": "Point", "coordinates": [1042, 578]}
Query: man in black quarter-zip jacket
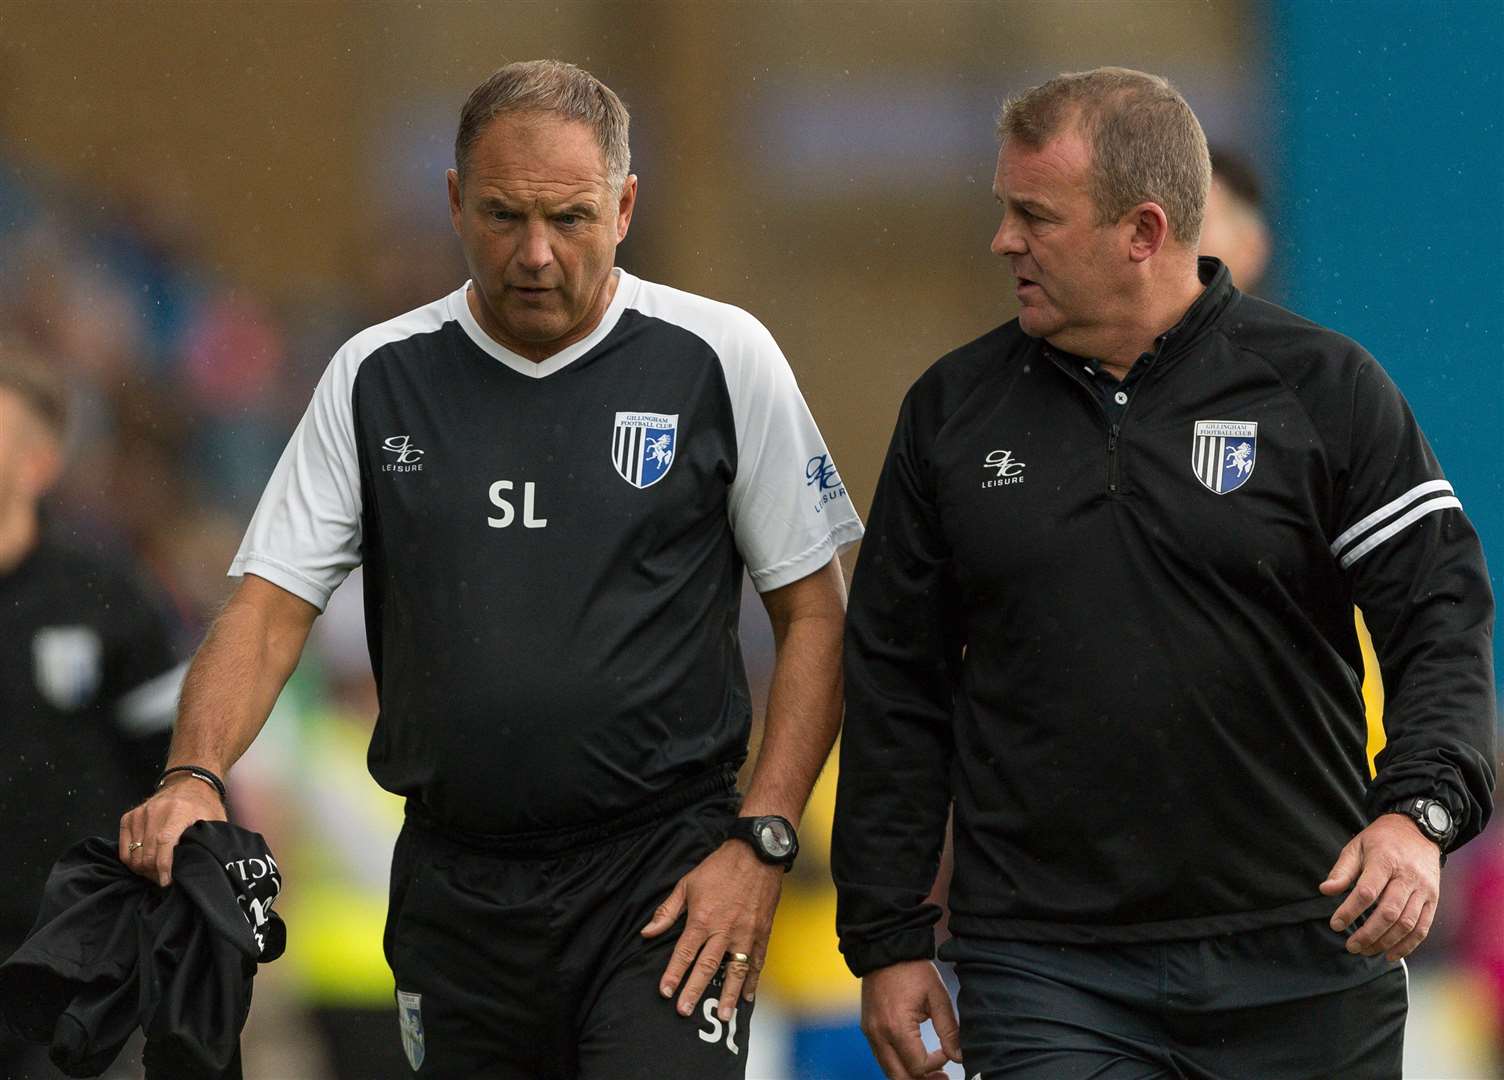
{"type": "Point", "coordinates": [1105, 607]}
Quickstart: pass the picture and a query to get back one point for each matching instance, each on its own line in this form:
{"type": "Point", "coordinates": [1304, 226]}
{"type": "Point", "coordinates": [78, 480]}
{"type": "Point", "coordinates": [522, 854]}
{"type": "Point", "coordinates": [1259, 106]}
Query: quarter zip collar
{"type": "Point", "coordinates": [1203, 314]}
{"type": "Point", "coordinates": [1174, 342]}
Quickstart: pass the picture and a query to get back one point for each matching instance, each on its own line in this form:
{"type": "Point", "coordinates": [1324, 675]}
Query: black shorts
{"type": "Point", "coordinates": [1282, 1002]}
{"type": "Point", "coordinates": [533, 968]}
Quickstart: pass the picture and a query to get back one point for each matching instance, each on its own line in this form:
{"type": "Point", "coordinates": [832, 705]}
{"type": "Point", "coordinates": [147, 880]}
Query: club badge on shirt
{"type": "Point", "coordinates": [1223, 453]}
{"type": "Point", "coordinates": [643, 446]}
{"type": "Point", "coordinates": [68, 664]}
{"type": "Point", "coordinates": [410, 1015]}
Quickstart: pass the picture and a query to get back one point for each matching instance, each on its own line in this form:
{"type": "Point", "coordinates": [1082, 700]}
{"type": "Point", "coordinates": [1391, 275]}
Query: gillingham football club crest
{"type": "Point", "coordinates": [643, 446]}
{"type": "Point", "coordinates": [68, 663]}
{"type": "Point", "coordinates": [1223, 452]}
{"type": "Point", "coordinates": [410, 1014]}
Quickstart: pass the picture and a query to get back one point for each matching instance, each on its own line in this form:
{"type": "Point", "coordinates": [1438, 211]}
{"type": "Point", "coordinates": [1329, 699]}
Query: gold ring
{"type": "Point", "coordinates": [740, 958]}
{"type": "Point", "coordinates": [133, 845]}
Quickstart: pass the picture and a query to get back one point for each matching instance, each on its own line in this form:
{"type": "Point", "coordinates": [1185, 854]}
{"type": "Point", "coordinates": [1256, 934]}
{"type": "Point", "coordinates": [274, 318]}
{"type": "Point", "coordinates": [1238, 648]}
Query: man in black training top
{"type": "Point", "coordinates": [554, 477]}
{"type": "Point", "coordinates": [88, 676]}
{"type": "Point", "coordinates": [1105, 607]}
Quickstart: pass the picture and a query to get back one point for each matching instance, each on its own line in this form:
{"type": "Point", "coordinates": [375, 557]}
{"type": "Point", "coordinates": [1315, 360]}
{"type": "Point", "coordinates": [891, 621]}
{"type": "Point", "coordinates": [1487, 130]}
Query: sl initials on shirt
{"type": "Point", "coordinates": [530, 518]}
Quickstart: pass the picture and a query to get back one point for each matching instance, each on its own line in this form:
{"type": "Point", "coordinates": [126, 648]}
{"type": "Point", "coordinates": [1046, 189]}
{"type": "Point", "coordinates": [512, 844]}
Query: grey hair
{"type": "Point", "coordinates": [1146, 143]}
{"type": "Point", "coordinates": [549, 86]}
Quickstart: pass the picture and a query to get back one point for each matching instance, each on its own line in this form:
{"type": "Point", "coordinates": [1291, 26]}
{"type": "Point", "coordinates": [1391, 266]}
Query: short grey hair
{"type": "Point", "coordinates": [1146, 143]}
{"type": "Point", "coordinates": [549, 86]}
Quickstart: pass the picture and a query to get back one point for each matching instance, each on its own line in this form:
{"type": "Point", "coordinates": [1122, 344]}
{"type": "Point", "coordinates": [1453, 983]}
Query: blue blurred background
{"type": "Point", "coordinates": [1388, 137]}
{"type": "Point", "coordinates": [199, 203]}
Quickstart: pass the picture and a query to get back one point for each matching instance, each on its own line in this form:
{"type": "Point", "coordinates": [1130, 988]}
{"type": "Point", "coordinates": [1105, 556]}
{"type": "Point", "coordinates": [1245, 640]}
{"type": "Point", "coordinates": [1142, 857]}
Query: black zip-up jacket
{"type": "Point", "coordinates": [1124, 645]}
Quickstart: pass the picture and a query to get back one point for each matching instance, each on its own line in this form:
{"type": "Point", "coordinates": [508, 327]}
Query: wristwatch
{"type": "Point", "coordinates": [772, 837]}
{"type": "Point", "coordinates": [1431, 816]}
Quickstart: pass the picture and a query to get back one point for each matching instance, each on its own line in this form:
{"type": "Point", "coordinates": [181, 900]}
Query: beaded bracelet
{"type": "Point", "coordinates": [200, 773]}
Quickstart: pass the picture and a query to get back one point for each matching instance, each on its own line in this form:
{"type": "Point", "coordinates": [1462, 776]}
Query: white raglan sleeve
{"type": "Point", "coordinates": [789, 509]}
{"type": "Point", "coordinates": [306, 533]}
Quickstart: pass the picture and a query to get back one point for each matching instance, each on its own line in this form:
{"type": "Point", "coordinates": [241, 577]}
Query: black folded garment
{"type": "Point", "coordinates": [111, 951]}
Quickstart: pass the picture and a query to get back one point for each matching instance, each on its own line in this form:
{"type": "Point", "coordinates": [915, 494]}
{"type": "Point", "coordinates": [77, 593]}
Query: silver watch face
{"type": "Point", "coordinates": [1438, 818]}
{"type": "Point", "coordinates": [775, 838]}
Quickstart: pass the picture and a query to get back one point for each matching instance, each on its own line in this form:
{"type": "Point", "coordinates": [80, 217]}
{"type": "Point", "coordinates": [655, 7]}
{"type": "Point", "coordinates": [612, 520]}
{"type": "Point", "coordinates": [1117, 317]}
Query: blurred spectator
{"type": "Point", "coordinates": [1234, 229]}
{"type": "Point", "coordinates": [183, 388]}
{"type": "Point", "coordinates": [88, 687]}
{"type": "Point", "coordinates": [1480, 935]}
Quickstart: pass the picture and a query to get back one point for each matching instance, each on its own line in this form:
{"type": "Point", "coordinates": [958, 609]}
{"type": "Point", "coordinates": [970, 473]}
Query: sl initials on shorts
{"type": "Point", "coordinates": [712, 1034]}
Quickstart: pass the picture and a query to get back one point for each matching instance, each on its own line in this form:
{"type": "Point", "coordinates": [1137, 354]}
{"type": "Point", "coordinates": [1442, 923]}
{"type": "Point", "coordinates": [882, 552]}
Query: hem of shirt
{"type": "Point", "coordinates": [1204, 926]}
{"type": "Point", "coordinates": [283, 576]}
{"type": "Point", "coordinates": [809, 560]}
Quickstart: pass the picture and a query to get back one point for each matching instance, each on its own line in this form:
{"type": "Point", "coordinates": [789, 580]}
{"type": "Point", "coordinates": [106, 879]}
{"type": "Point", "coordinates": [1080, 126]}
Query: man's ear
{"type": "Point", "coordinates": [625, 205]}
{"type": "Point", "coordinates": [1151, 230]}
{"type": "Point", "coordinates": [456, 206]}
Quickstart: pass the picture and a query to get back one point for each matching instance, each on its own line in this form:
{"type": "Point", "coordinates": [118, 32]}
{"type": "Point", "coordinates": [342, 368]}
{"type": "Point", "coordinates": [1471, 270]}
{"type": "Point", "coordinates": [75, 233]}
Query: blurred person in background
{"type": "Point", "coordinates": [1234, 229]}
{"type": "Point", "coordinates": [554, 477]}
{"type": "Point", "coordinates": [1118, 632]}
{"type": "Point", "coordinates": [88, 679]}
{"type": "Point", "coordinates": [1478, 937]}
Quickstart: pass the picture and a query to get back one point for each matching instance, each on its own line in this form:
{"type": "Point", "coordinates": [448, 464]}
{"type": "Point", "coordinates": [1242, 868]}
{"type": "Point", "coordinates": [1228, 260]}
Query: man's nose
{"type": "Point", "coordinates": [1008, 240]}
{"type": "Point", "coordinates": [537, 252]}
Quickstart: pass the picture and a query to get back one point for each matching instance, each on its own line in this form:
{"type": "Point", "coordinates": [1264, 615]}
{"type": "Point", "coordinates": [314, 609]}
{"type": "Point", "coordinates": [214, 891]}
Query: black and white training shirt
{"type": "Point", "coordinates": [1121, 638]}
{"type": "Point", "coordinates": [553, 551]}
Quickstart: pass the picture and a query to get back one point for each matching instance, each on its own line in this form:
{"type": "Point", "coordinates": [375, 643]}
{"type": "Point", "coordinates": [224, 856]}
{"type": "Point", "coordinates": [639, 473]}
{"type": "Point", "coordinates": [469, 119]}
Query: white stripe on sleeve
{"type": "Point", "coordinates": [1388, 510]}
{"type": "Point", "coordinates": [1430, 506]}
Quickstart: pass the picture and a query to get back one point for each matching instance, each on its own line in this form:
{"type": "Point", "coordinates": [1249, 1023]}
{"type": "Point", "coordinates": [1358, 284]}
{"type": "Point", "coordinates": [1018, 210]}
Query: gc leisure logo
{"type": "Point", "coordinates": [1008, 470]}
{"type": "Point", "coordinates": [820, 474]}
{"type": "Point", "coordinates": [408, 457]}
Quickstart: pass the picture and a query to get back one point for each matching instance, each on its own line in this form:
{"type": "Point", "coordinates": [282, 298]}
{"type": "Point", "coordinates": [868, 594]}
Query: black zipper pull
{"type": "Point", "coordinates": [1112, 457]}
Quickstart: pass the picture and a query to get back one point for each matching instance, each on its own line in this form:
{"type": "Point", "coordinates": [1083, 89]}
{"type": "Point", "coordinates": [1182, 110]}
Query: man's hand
{"type": "Point", "coordinates": [895, 1001]}
{"type": "Point", "coordinates": [729, 899]}
{"type": "Point", "coordinates": [1397, 871]}
{"type": "Point", "coordinates": [149, 832]}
